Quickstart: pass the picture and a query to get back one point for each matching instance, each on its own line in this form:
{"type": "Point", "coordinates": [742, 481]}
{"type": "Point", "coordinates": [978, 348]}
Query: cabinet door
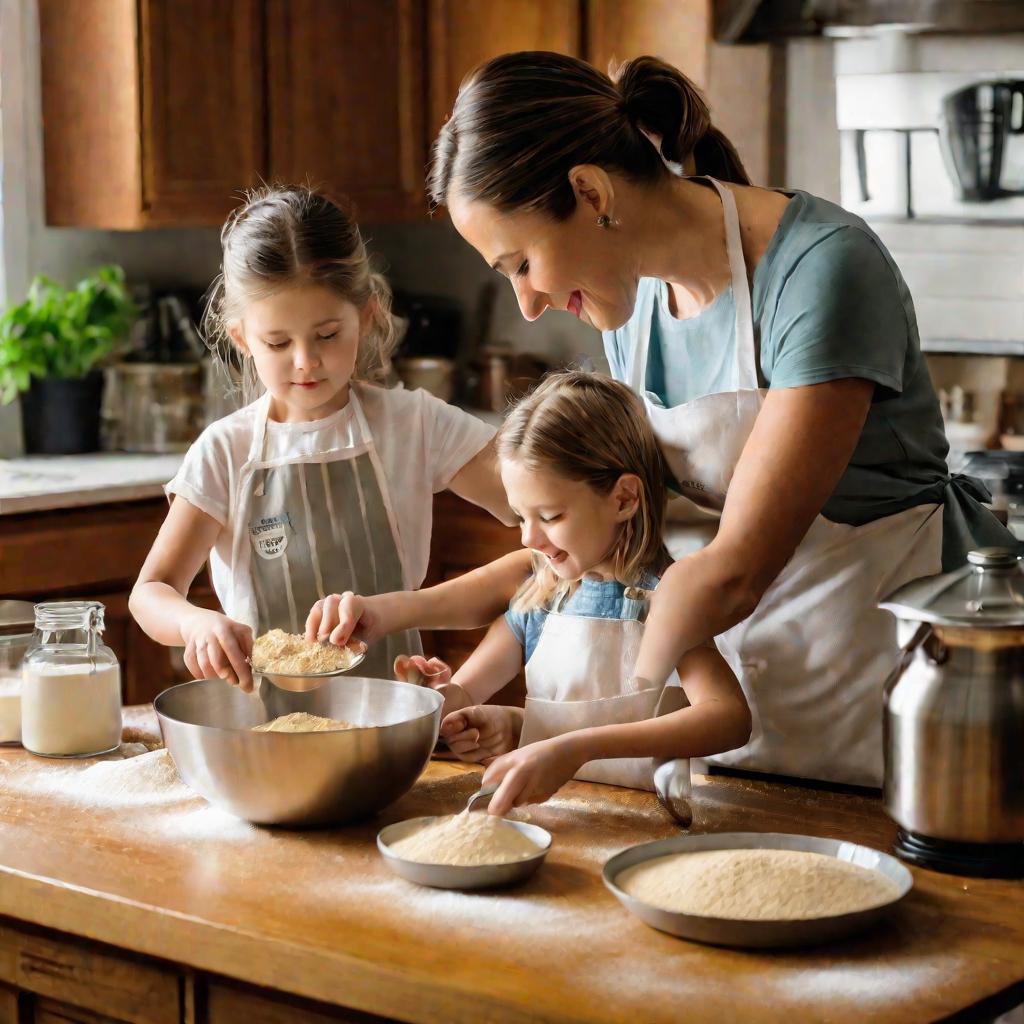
{"type": "Point", "coordinates": [202, 107]}
{"type": "Point", "coordinates": [464, 537]}
{"type": "Point", "coordinates": [675, 30]}
{"type": "Point", "coordinates": [465, 33]}
{"type": "Point", "coordinates": [345, 94]}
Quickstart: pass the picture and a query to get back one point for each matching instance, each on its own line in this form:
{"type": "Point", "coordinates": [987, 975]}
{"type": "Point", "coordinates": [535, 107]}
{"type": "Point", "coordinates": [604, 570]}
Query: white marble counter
{"type": "Point", "coordinates": [33, 483]}
{"type": "Point", "coordinates": [38, 482]}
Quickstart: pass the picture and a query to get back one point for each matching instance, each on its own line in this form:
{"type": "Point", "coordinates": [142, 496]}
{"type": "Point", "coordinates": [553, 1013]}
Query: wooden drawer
{"type": "Point", "coordinates": [228, 1003]}
{"type": "Point", "coordinates": [89, 977]}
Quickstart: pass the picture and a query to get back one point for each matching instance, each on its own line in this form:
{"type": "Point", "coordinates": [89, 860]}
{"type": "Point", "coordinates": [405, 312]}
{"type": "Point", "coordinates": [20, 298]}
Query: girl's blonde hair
{"type": "Point", "coordinates": [588, 427]}
{"type": "Point", "coordinates": [288, 235]}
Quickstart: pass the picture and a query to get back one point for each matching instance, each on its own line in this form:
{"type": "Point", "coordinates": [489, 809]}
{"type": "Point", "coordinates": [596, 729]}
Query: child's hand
{"type": "Point", "coordinates": [432, 672]}
{"type": "Point", "coordinates": [217, 647]}
{"type": "Point", "coordinates": [338, 617]}
{"type": "Point", "coordinates": [482, 732]}
{"type": "Point", "coordinates": [532, 774]}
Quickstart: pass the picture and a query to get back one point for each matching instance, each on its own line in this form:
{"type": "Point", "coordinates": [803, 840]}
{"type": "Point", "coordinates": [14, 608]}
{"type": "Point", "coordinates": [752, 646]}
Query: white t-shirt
{"type": "Point", "coordinates": [422, 442]}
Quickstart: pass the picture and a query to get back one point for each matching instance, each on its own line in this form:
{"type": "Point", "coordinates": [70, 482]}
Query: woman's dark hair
{"type": "Point", "coordinates": [523, 120]}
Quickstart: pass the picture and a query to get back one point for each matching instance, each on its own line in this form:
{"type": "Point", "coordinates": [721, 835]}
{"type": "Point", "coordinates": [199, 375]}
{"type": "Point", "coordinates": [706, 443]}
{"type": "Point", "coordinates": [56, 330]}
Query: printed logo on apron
{"type": "Point", "coordinates": [270, 535]}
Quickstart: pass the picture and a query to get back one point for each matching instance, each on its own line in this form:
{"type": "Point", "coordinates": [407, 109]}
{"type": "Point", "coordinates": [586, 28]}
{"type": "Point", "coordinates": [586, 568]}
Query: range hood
{"type": "Point", "coordinates": [744, 21]}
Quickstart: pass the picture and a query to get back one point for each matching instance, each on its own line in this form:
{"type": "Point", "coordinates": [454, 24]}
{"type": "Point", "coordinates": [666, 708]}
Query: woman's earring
{"type": "Point", "coordinates": [604, 221]}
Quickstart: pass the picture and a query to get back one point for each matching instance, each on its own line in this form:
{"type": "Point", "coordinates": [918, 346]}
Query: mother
{"type": "Point", "coordinates": [775, 345]}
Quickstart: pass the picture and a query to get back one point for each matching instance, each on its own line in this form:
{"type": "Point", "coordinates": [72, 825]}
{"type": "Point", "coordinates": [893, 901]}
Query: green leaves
{"type": "Point", "coordinates": [58, 332]}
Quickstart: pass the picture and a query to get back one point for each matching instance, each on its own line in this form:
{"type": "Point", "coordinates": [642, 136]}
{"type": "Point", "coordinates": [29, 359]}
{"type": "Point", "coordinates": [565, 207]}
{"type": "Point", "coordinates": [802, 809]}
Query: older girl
{"type": "Point", "coordinates": [324, 482]}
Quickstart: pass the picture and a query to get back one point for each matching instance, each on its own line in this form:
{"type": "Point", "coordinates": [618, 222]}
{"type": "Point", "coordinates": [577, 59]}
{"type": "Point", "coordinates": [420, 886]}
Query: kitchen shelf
{"type": "Point", "coordinates": [962, 347]}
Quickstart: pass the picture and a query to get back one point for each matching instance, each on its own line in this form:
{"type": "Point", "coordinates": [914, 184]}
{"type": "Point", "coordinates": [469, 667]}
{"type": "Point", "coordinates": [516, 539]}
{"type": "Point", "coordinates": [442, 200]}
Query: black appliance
{"type": "Point", "coordinates": [435, 325]}
{"type": "Point", "coordinates": [982, 132]}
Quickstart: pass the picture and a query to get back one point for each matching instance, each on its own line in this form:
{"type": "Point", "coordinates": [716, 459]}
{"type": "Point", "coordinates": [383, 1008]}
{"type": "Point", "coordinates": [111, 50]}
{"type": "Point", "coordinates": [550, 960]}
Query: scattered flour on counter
{"type": "Point", "coordinates": [149, 778]}
{"type": "Point", "coordinates": [300, 721]}
{"type": "Point", "coordinates": [466, 840]}
{"type": "Point", "coordinates": [756, 885]}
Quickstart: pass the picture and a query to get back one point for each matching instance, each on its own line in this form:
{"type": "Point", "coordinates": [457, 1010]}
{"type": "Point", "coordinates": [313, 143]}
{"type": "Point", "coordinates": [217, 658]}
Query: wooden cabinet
{"type": "Point", "coordinates": [675, 30]}
{"type": "Point", "coordinates": [152, 109]}
{"type": "Point", "coordinates": [202, 105]}
{"type": "Point", "coordinates": [158, 112]}
{"type": "Point", "coordinates": [464, 34]}
{"type": "Point", "coordinates": [465, 537]}
{"type": "Point", "coordinates": [345, 86]}
{"type": "Point", "coordinates": [97, 552]}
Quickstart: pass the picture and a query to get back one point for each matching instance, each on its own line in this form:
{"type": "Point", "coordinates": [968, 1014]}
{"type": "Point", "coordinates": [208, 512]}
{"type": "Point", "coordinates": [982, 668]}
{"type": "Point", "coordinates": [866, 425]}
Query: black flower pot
{"type": "Point", "coordinates": [62, 417]}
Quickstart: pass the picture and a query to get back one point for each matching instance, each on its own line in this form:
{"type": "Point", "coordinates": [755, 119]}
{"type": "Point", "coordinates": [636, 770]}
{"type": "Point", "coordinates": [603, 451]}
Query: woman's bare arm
{"type": "Point", "coordinates": [802, 442]}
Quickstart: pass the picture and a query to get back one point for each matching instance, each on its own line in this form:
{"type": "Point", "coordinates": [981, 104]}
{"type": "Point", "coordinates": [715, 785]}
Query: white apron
{"type": "Point", "coordinates": [813, 656]}
{"type": "Point", "coordinates": [309, 525]}
{"type": "Point", "coordinates": [580, 675]}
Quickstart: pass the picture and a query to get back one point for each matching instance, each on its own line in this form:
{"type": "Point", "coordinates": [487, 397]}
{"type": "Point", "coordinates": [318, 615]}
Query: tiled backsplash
{"type": "Point", "coordinates": [967, 280]}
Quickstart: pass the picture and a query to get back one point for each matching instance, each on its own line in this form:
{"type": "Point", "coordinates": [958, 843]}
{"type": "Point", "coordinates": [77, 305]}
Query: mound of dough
{"type": "Point", "coordinates": [467, 840]}
{"type": "Point", "coordinates": [756, 885]}
{"type": "Point", "coordinates": [299, 721]}
{"type": "Point", "coordinates": [292, 654]}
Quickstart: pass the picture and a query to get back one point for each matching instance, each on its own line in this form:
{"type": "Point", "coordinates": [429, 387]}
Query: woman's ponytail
{"type": "Point", "coordinates": [661, 101]}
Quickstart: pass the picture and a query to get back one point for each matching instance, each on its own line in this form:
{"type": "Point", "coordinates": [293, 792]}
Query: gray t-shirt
{"type": "Point", "coordinates": [828, 303]}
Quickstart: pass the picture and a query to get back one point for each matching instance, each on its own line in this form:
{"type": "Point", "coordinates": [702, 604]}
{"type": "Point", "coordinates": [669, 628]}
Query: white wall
{"type": "Point", "coordinates": [967, 279]}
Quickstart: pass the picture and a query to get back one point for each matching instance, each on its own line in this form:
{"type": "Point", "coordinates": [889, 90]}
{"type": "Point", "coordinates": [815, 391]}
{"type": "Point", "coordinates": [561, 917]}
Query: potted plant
{"type": "Point", "coordinates": [51, 348]}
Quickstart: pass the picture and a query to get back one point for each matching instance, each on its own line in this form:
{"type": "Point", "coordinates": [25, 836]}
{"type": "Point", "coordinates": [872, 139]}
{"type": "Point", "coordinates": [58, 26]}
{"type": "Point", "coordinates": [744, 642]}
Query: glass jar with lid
{"type": "Point", "coordinates": [71, 683]}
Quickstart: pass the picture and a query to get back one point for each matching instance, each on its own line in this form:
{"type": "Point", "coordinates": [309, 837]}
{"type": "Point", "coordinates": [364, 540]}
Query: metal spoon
{"type": "Point", "coordinates": [483, 793]}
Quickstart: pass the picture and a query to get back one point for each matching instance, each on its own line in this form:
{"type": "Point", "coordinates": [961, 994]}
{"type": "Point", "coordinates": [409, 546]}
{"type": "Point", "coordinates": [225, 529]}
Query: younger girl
{"type": "Point", "coordinates": [324, 482]}
{"type": "Point", "coordinates": [585, 478]}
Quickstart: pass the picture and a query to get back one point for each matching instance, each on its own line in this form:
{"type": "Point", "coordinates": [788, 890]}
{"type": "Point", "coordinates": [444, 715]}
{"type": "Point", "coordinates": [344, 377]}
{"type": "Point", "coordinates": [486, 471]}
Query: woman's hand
{"type": "Point", "coordinates": [217, 647]}
{"type": "Point", "coordinates": [338, 617]}
{"type": "Point", "coordinates": [482, 732]}
{"type": "Point", "coordinates": [532, 774]}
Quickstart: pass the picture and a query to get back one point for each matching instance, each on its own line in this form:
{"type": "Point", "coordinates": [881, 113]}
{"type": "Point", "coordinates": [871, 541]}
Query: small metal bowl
{"type": "Point", "coordinates": [763, 934]}
{"type": "Point", "coordinates": [314, 778]}
{"type": "Point", "coordinates": [455, 876]}
{"type": "Point", "coordinates": [307, 681]}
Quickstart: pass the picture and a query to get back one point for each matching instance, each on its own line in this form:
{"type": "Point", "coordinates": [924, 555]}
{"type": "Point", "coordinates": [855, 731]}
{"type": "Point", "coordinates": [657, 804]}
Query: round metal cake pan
{"type": "Point", "coordinates": [758, 934]}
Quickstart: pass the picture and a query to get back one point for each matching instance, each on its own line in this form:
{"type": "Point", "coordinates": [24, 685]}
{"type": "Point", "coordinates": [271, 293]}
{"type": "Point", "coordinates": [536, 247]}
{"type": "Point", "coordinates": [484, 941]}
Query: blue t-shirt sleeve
{"type": "Point", "coordinates": [517, 622]}
{"type": "Point", "coordinates": [843, 312]}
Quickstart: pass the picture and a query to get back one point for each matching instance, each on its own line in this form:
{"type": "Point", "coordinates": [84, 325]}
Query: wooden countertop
{"type": "Point", "coordinates": [319, 914]}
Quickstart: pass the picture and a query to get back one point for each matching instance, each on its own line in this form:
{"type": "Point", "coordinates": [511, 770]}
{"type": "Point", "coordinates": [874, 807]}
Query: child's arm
{"type": "Point", "coordinates": [479, 481]}
{"type": "Point", "coordinates": [466, 602]}
{"type": "Point", "coordinates": [214, 644]}
{"type": "Point", "coordinates": [495, 662]}
{"type": "Point", "coordinates": [717, 720]}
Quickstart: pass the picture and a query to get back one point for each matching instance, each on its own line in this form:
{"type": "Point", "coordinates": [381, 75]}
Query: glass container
{"type": "Point", "coordinates": [71, 683]}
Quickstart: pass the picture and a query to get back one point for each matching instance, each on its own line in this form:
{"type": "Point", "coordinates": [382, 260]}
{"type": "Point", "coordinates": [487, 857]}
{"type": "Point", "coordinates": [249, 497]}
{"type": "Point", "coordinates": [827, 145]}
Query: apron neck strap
{"type": "Point", "coordinates": [746, 350]}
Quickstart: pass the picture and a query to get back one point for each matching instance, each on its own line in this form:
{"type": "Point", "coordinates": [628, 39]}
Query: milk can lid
{"type": "Point", "coordinates": [986, 592]}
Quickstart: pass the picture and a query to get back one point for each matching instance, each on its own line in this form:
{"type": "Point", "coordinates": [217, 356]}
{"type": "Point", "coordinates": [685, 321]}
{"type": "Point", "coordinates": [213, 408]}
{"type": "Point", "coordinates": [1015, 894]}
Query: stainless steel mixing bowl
{"type": "Point", "coordinates": [323, 778]}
